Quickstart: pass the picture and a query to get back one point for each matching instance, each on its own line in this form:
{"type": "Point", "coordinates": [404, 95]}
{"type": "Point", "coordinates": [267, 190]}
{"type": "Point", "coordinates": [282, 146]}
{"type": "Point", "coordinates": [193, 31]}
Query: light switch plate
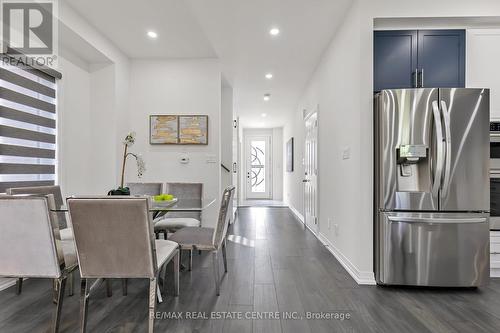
{"type": "Point", "coordinates": [211, 158]}
{"type": "Point", "coordinates": [346, 153]}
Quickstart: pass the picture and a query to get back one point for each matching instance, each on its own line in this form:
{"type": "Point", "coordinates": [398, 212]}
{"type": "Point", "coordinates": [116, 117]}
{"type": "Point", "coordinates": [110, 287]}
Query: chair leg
{"type": "Point", "coordinates": [19, 286]}
{"type": "Point", "coordinates": [124, 287]}
{"type": "Point", "coordinates": [215, 255]}
{"type": "Point", "coordinates": [152, 303]}
{"type": "Point", "coordinates": [190, 263]}
{"type": "Point", "coordinates": [71, 283]}
{"type": "Point", "coordinates": [224, 255]}
{"type": "Point", "coordinates": [55, 291]}
{"type": "Point", "coordinates": [109, 288]}
{"type": "Point", "coordinates": [61, 284]}
{"type": "Point", "coordinates": [84, 304]}
{"type": "Point", "coordinates": [158, 292]}
{"type": "Point", "coordinates": [163, 273]}
{"type": "Point", "coordinates": [176, 272]}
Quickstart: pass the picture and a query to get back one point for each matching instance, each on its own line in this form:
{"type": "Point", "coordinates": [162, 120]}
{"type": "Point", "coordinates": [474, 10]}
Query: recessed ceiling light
{"type": "Point", "coordinates": [267, 97]}
{"type": "Point", "coordinates": [269, 76]}
{"type": "Point", "coordinates": [274, 32]}
{"type": "Point", "coordinates": [264, 115]}
{"type": "Point", "coordinates": [152, 34]}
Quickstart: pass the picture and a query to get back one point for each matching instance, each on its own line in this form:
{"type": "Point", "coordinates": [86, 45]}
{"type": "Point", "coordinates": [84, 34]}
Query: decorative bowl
{"type": "Point", "coordinates": [165, 203]}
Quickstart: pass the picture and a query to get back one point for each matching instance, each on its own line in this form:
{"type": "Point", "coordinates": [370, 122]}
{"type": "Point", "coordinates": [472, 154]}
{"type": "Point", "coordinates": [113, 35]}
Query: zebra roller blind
{"type": "Point", "coordinates": [27, 127]}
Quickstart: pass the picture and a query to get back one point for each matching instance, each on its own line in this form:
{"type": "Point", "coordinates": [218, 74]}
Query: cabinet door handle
{"type": "Point", "coordinates": [422, 78]}
{"type": "Point", "coordinates": [415, 74]}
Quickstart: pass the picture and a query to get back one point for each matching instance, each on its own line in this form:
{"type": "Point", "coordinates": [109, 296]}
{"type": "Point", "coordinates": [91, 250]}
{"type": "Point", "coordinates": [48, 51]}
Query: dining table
{"type": "Point", "coordinates": [159, 208]}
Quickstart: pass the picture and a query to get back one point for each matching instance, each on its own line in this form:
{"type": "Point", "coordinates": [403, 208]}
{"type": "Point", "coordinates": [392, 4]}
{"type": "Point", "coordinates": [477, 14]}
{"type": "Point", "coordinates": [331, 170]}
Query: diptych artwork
{"type": "Point", "coordinates": [193, 130]}
{"type": "Point", "coordinates": [178, 129]}
{"type": "Point", "coordinates": [164, 130]}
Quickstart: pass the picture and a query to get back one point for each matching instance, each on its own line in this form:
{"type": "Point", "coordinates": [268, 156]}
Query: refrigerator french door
{"type": "Point", "coordinates": [432, 187]}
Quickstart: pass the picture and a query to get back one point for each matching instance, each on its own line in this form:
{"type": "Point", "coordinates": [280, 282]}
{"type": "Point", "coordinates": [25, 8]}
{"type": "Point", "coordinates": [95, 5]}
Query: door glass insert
{"type": "Point", "coordinates": [258, 166]}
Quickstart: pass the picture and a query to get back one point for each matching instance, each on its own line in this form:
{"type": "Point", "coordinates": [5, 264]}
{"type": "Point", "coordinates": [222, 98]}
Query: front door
{"type": "Point", "coordinates": [258, 167]}
{"type": "Point", "coordinates": [311, 172]}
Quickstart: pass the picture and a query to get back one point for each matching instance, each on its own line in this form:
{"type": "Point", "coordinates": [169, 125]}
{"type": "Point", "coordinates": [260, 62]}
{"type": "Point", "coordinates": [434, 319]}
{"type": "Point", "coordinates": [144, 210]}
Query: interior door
{"type": "Point", "coordinates": [311, 172]}
{"type": "Point", "coordinates": [466, 128]}
{"type": "Point", "coordinates": [258, 167]}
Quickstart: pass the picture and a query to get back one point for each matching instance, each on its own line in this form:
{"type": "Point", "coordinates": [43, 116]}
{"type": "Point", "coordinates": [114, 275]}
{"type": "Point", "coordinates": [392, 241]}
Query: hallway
{"type": "Point", "coordinates": [274, 266]}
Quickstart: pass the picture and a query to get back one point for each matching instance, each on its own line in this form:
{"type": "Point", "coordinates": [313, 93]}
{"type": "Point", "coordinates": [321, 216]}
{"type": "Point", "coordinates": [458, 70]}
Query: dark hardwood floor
{"type": "Point", "coordinates": [274, 266]}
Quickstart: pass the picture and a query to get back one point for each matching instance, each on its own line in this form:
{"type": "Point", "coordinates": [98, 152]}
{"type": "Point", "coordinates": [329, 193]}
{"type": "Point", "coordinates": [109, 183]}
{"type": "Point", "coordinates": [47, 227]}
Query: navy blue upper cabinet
{"type": "Point", "coordinates": [395, 61]}
{"type": "Point", "coordinates": [419, 58]}
{"type": "Point", "coordinates": [441, 58]}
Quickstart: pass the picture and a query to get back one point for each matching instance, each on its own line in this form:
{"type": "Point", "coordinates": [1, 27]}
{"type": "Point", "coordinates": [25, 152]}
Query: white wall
{"type": "Point", "coordinates": [278, 168]}
{"type": "Point", "coordinates": [92, 109]}
{"type": "Point", "coordinates": [74, 128]}
{"type": "Point", "coordinates": [178, 87]}
{"type": "Point", "coordinates": [227, 135]}
{"type": "Point", "coordinates": [293, 191]}
{"type": "Point", "coordinates": [342, 86]}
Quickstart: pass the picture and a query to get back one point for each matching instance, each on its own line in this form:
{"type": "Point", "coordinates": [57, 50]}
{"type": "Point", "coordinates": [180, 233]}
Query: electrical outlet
{"type": "Point", "coordinates": [336, 229]}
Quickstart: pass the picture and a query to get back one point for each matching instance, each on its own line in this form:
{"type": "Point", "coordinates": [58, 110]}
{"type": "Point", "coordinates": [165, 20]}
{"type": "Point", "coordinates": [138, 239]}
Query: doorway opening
{"type": "Point", "coordinates": [262, 171]}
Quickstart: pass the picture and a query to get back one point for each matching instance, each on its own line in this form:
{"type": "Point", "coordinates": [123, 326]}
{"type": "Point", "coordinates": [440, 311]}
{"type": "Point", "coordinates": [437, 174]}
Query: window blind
{"type": "Point", "coordinates": [28, 127]}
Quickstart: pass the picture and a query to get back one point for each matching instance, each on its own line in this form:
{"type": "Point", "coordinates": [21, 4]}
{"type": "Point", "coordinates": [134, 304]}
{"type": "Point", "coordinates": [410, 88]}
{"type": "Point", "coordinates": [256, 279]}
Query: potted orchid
{"type": "Point", "coordinates": [141, 166]}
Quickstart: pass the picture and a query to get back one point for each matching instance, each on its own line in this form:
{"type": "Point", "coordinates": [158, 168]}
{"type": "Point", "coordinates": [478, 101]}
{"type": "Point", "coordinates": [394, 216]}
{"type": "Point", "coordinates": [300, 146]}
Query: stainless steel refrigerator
{"type": "Point", "coordinates": [432, 187]}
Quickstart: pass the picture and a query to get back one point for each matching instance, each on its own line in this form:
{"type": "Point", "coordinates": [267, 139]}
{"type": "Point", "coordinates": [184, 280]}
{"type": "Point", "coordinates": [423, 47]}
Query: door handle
{"type": "Point", "coordinates": [438, 172]}
{"type": "Point", "coordinates": [415, 75]}
{"type": "Point", "coordinates": [422, 78]}
{"type": "Point", "coordinates": [447, 139]}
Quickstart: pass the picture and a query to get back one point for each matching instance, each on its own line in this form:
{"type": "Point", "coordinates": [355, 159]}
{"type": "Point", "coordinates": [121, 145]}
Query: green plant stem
{"type": "Point", "coordinates": [123, 165]}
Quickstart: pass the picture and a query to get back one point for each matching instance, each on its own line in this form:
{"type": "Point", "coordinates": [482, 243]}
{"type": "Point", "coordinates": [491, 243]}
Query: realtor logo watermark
{"type": "Point", "coordinates": [29, 32]}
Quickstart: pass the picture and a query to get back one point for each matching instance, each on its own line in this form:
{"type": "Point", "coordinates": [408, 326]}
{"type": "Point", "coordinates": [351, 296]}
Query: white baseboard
{"type": "Point", "coordinates": [296, 212]}
{"type": "Point", "coordinates": [361, 277]}
{"type": "Point", "coordinates": [7, 283]}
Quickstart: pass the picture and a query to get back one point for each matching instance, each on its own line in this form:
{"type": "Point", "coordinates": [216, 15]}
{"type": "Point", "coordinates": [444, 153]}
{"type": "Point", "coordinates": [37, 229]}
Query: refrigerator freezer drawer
{"type": "Point", "coordinates": [433, 249]}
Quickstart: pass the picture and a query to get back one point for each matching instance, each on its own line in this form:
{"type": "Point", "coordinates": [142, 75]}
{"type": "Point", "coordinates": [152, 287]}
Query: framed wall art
{"type": "Point", "coordinates": [289, 155]}
{"type": "Point", "coordinates": [163, 129]}
{"type": "Point", "coordinates": [193, 130]}
{"type": "Point", "coordinates": [178, 129]}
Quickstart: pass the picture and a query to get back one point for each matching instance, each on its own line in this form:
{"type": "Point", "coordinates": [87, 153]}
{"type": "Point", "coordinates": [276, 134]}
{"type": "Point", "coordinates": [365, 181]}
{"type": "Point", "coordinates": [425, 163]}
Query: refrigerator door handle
{"type": "Point", "coordinates": [438, 172]}
{"type": "Point", "coordinates": [406, 219]}
{"type": "Point", "coordinates": [447, 139]}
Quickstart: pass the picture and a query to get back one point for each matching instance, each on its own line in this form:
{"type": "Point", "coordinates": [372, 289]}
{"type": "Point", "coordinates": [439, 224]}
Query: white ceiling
{"type": "Point", "coordinates": [235, 31]}
{"type": "Point", "coordinates": [126, 22]}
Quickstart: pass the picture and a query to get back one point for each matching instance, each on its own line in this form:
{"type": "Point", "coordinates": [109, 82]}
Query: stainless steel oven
{"type": "Point", "coordinates": [495, 175]}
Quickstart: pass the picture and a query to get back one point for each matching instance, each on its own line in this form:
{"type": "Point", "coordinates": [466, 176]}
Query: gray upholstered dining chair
{"type": "Point", "coordinates": [29, 244]}
{"type": "Point", "coordinates": [64, 229]}
{"type": "Point", "coordinates": [145, 188]}
{"type": "Point", "coordinates": [114, 239]}
{"type": "Point", "coordinates": [65, 233]}
{"type": "Point", "coordinates": [209, 239]}
{"type": "Point", "coordinates": [174, 221]}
